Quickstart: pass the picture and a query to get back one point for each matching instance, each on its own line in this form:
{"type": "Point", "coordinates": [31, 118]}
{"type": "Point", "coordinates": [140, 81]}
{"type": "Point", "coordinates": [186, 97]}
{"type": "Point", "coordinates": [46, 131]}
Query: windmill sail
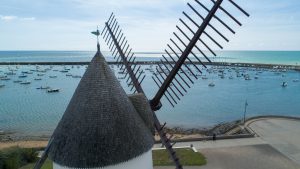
{"type": "Point", "coordinates": [191, 39]}
{"type": "Point", "coordinates": [172, 84]}
{"type": "Point", "coordinates": [125, 57]}
{"type": "Point", "coordinates": [115, 40]}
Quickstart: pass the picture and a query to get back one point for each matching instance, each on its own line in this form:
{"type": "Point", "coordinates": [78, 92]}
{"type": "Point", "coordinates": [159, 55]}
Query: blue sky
{"type": "Point", "coordinates": [148, 24]}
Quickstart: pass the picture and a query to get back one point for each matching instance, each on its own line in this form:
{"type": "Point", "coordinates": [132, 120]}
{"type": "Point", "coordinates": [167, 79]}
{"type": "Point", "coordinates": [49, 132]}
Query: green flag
{"type": "Point", "coordinates": [97, 33]}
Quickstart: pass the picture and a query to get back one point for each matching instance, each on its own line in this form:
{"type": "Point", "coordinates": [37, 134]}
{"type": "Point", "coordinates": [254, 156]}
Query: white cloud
{"type": "Point", "coordinates": [8, 18]}
{"type": "Point", "coordinates": [28, 19]}
{"type": "Point", "coordinates": [12, 17]}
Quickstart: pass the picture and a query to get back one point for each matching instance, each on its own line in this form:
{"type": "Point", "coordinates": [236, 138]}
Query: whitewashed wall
{"type": "Point", "coordinates": [142, 162]}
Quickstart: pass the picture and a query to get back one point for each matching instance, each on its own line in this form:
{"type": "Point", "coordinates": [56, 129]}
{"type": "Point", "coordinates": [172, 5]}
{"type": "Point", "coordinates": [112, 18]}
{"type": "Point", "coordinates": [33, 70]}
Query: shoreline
{"type": "Point", "coordinates": [252, 65]}
{"type": "Point", "coordinates": [178, 134]}
{"type": "Point", "coordinates": [10, 139]}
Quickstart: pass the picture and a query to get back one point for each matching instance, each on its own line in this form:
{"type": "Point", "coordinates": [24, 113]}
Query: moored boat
{"type": "Point", "coordinates": [284, 84]}
{"type": "Point", "coordinates": [22, 76]}
{"type": "Point", "coordinates": [212, 84]}
{"type": "Point", "coordinates": [53, 90]}
{"type": "Point", "coordinates": [76, 76]}
{"type": "Point", "coordinates": [43, 87]}
{"type": "Point", "coordinates": [25, 83]}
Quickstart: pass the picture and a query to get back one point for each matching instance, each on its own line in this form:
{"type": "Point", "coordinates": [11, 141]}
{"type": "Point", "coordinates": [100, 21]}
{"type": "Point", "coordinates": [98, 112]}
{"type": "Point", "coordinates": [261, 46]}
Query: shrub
{"type": "Point", "coordinates": [15, 157]}
{"type": "Point", "coordinates": [29, 155]}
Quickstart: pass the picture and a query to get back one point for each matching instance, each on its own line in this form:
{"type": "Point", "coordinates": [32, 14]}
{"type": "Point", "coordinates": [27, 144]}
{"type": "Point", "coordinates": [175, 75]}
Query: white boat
{"type": "Point", "coordinates": [284, 84]}
{"type": "Point", "coordinates": [121, 77]}
{"type": "Point", "coordinates": [17, 81]}
{"type": "Point", "coordinates": [212, 84]}
{"type": "Point", "coordinates": [53, 90]}
{"type": "Point", "coordinates": [68, 74]}
{"type": "Point", "coordinates": [10, 73]}
{"type": "Point", "coordinates": [40, 74]}
{"type": "Point", "coordinates": [247, 77]}
{"type": "Point", "coordinates": [230, 77]}
{"type": "Point", "coordinates": [76, 76]}
{"type": "Point", "coordinates": [53, 76]}
{"type": "Point", "coordinates": [5, 78]}
{"type": "Point", "coordinates": [25, 82]}
{"type": "Point", "coordinates": [22, 76]}
{"type": "Point", "coordinates": [43, 87]}
{"type": "Point", "coordinates": [204, 77]}
{"type": "Point", "coordinates": [37, 78]}
{"type": "Point", "coordinates": [296, 80]}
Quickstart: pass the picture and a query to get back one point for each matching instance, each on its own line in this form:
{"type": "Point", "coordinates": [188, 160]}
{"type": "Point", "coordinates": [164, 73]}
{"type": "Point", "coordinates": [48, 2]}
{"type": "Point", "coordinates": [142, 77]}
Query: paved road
{"type": "Point", "coordinates": [247, 157]}
{"type": "Point", "coordinates": [282, 134]}
{"type": "Point", "coordinates": [278, 147]}
{"type": "Point", "coordinates": [244, 157]}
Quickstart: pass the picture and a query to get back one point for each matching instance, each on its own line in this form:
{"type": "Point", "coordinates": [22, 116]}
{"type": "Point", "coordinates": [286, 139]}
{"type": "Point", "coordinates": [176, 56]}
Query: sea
{"type": "Point", "coordinates": [29, 111]}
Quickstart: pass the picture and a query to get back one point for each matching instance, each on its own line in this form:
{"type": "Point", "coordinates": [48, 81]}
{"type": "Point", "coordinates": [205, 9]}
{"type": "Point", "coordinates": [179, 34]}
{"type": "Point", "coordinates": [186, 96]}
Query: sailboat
{"type": "Point", "coordinates": [212, 84]}
{"type": "Point", "coordinates": [297, 80]}
{"type": "Point", "coordinates": [284, 84]}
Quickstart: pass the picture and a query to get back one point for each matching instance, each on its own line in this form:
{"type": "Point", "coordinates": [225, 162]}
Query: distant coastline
{"type": "Point", "coordinates": [253, 65]}
{"type": "Point", "coordinates": [257, 57]}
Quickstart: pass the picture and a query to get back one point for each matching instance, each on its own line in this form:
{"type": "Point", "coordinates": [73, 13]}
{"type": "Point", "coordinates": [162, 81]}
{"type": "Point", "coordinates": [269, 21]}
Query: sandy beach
{"type": "Point", "coordinates": [23, 144]}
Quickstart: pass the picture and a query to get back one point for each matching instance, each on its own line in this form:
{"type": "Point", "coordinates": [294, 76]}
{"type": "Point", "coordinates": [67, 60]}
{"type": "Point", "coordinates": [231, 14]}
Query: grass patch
{"type": "Point", "coordinates": [47, 165]}
{"type": "Point", "coordinates": [15, 157]}
{"type": "Point", "coordinates": [187, 158]}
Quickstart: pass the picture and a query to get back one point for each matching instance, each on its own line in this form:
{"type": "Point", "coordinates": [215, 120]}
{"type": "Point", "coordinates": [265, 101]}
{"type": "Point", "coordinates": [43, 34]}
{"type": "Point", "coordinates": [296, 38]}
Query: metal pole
{"type": "Point", "coordinates": [246, 104]}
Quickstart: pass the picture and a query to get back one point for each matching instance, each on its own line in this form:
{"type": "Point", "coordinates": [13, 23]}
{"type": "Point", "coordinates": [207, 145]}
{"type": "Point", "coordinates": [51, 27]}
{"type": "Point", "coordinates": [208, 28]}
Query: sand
{"type": "Point", "coordinates": [23, 144]}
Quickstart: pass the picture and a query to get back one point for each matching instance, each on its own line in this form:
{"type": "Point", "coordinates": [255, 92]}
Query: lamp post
{"type": "Point", "coordinates": [245, 111]}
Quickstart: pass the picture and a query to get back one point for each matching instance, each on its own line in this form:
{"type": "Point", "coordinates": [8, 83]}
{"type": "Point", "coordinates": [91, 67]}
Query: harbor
{"type": "Point", "coordinates": [37, 87]}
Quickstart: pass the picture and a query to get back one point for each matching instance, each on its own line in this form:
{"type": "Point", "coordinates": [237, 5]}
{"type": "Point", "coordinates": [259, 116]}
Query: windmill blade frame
{"type": "Point", "coordinates": [184, 60]}
{"type": "Point", "coordinates": [118, 47]}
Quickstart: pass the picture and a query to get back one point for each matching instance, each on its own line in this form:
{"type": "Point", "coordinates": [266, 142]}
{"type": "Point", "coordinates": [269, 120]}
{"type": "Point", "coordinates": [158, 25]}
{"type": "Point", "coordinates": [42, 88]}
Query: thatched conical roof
{"type": "Point", "coordinates": [100, 126]}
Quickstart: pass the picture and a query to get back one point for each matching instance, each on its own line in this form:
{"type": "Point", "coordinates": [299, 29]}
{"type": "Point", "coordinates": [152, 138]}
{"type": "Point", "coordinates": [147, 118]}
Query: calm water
{"type": "Point", "coordinates": [30, 111]}
{"type": "Point", "coordinates": [269, 57]}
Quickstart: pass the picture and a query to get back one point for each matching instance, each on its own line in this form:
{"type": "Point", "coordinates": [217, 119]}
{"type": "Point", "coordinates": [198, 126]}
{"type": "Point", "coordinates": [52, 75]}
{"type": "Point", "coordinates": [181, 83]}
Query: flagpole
{"type": "Point", "coordinates": [97, 35]}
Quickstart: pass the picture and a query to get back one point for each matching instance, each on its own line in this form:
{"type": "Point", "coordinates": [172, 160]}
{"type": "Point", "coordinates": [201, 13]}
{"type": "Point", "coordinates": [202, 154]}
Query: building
{"type": "Point", "coordinates": [102, 126]}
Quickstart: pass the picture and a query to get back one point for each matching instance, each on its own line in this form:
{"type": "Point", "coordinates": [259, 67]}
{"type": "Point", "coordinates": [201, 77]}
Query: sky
{"type": "Point", "coordinates": [147, 24]}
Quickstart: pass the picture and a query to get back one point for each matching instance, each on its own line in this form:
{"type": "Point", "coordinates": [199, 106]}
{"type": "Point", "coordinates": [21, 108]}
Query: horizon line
{"type": "Point", "coordinates": [148, 52]}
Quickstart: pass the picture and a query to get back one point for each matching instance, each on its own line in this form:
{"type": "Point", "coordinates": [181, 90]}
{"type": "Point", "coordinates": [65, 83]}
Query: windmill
{"type": "Point", "coordinates": [171, 84]}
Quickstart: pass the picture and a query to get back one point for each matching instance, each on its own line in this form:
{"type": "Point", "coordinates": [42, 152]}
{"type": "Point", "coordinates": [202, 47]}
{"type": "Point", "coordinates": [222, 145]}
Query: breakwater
{"type": "Point", "coordinates": [253, 65]}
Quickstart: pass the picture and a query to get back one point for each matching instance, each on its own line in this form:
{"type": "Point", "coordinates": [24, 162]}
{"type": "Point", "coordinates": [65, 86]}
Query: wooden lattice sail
{"type": "Point", "coordinates": [171, 84]}
{"type": "Point", "coordinates": [101, 113]}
